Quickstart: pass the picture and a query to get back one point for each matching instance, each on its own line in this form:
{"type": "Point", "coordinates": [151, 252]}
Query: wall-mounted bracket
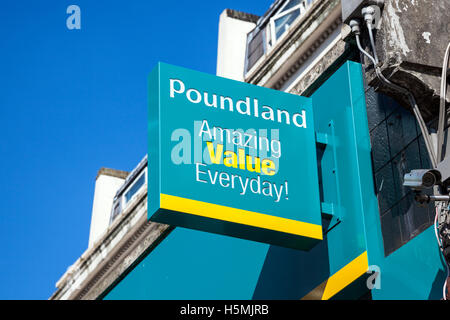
{"type": "Point", "coordinates": [322, 138]}
{"type": "Point", "coordinates": [326, 150]}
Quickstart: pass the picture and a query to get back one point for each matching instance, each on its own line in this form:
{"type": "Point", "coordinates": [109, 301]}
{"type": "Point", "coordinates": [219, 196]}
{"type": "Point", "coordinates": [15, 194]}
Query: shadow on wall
{"type": "Point", "coordinates": [436, 291]}
{"type": "Point", "coordinates": [291, 274]}
{"type": "Point", "coordinates": [436, 288]}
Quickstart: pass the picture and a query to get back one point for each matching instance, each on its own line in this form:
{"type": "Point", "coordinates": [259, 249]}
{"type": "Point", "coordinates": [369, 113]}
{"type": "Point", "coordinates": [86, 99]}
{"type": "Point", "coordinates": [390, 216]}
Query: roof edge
{"type": "Point", "coordinates": [112, 173]}
{"type": "Point", "coordinates": [235, 14]}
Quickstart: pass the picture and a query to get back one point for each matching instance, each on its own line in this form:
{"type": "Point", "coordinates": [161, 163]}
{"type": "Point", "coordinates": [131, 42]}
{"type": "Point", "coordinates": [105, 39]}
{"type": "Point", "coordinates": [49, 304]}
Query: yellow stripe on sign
{"type": "Point", "coordinates": [341, 279]}
{"type": "Point", "coordinates": [240, 216]}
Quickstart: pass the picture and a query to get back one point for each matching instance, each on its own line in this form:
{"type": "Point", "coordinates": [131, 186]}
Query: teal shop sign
{"type": "Point", "coordinates": [232, 158]}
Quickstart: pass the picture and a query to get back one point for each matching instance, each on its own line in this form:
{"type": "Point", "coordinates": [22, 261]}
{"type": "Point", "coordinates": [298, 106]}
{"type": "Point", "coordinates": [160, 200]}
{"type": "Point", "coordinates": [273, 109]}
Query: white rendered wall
{"type": "Point", "coordinates": [105, 189]}
{"type": "Point", "coordinates": [231, 47]}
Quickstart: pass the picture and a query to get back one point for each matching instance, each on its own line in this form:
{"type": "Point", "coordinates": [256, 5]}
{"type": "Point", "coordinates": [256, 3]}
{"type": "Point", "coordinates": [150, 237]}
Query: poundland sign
{"type": "Point", "coordinates": [232, 158]}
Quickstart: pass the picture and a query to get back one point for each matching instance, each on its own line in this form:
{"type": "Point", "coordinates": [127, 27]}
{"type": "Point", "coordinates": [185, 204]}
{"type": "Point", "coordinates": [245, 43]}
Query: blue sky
{"type": "Point", "coordinates": [72, 101]}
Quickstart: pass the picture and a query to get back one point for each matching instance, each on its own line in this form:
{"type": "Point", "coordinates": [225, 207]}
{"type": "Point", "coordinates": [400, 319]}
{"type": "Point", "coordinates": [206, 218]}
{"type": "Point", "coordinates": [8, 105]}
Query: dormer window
{"type": "Point", "coordinates": [272, 28]}
{"type": "Point", "coordinates": [284, 18]}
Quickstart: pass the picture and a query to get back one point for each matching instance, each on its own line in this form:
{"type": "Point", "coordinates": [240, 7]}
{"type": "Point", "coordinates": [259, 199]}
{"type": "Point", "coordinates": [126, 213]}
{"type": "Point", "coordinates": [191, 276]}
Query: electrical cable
{"type": "Point", "coordinates": [441, 124]}
{"type": "Point", "coordinates": [368, 16]}
{"type": "Point", "coordinates": [442, 109]}
{"type": "Point", "coordinates": [441, 248]}
{"type": "Point", "coordinates": [436, 230]}
{"type": "Point", "coordinates": [412, 100]}
{"type": "Point", "coordinates": [428, 143]}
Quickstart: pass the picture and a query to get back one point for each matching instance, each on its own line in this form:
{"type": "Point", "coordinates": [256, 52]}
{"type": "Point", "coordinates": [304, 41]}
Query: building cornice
{"type": "Point", "coordinates": [305, 37]}
{"type": "Point", "coordinates": [144, 236]}
{"type": "Point", "coordinates": [319, 71]}
{"type": "Point", "coordinates": [128, 238]}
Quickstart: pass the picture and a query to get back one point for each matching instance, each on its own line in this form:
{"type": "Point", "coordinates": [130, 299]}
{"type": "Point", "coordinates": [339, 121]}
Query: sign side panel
{"type": "Point", "coordinates": [154, 141]}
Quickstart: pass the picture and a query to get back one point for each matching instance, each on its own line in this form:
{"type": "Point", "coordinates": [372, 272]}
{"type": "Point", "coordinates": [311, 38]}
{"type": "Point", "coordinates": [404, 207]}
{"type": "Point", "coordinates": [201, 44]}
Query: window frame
{"type": "Point", "coordinates": [122, 201]}
{"type": "Point", "coordinates": [302, 7]}
{"type": "Point", "coordinates": [125, 201]}
{"type": "Point", "coordinates": [267, 28]}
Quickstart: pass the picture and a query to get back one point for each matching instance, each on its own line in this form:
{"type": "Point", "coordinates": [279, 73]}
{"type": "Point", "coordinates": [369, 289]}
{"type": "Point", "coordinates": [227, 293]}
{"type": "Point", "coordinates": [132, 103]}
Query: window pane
{"type": "Point", "coordinates": [135, 188]}
{"type": "Point", "coordinates": [284, 22]}
{"type": "Point", "coordinates": [291, 4]}
{"type": "Point", "coordinates": [256, 43]}
{"type": "Point", "coordinates": [255, 49]}
{"type": "Point", "coordinates": [116, 211]}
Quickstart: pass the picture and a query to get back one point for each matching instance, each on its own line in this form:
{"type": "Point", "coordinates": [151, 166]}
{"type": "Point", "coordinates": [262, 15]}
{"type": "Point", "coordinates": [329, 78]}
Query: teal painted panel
{"type": "Point", "coordinates": [416, 271]}
{"type": "Point", "coordinates": [347, 174]}
{"type": "Point", "coordinates": [204, 130]}
{"type": "Point", "coordinates": [191, 264]}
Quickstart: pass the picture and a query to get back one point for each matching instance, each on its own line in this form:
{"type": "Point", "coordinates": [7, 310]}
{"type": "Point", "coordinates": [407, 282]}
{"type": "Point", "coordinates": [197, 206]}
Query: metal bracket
{"type": "Point", "coordinates": [331, 212]}
{"type": "Point", "coordinates": [330, 216]}
{"type": "Point", "coordinates": [322, 138]}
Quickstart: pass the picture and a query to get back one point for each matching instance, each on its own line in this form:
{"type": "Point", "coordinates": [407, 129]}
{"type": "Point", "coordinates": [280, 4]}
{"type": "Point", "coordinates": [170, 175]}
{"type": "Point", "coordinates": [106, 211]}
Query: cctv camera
{"type": "Point", "coordinates": [422, 179]}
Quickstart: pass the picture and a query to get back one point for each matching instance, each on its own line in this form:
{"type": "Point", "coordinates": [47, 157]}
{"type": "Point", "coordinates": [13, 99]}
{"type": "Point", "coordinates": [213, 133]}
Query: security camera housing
{"type": "Point", "coordinates": [422, 179]}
